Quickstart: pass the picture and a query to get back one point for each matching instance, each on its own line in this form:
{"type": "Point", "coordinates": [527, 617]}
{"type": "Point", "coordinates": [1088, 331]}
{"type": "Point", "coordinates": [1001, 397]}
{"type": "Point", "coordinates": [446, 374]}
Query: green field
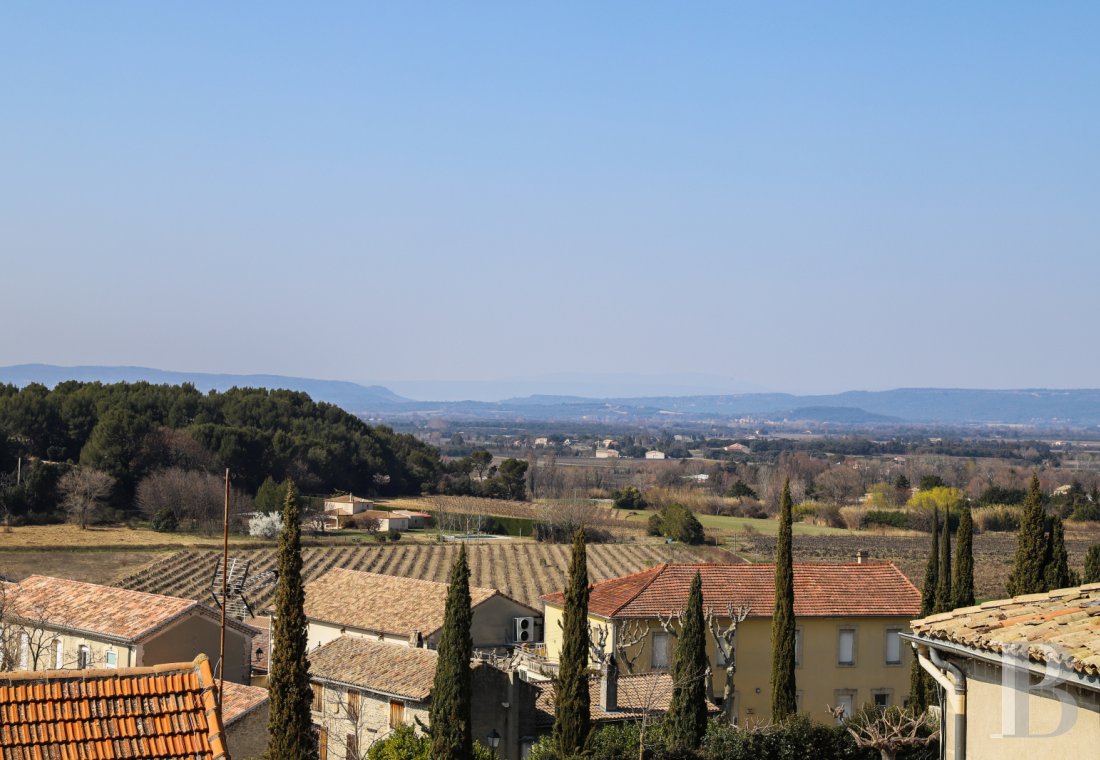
{"type": "Point", "coordinates": [769, 527]}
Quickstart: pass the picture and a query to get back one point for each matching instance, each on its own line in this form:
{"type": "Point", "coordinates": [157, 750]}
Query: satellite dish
{"type": "Point", "coordinates": [237, 582]}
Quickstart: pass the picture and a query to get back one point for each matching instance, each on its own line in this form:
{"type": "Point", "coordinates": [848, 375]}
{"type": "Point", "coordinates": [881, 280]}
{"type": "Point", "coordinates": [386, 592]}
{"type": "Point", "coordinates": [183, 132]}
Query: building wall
{"type": "Point", "coordinates": [1048, 730]}
{"type": "Point", "coordinates": [41, 655]}
{"type": "Point", "coordinates": [247, 737]}
{"type": "Point", "coordinates": [322, 633]}
{"type": "Point", "coordinates": [493, 622]}
{"type": "Point", "coordinates": [818, 676]}
{"type": "Point", "coordinates": [369, 725]}
{"type": "Point", "coordinates": [199, 634]}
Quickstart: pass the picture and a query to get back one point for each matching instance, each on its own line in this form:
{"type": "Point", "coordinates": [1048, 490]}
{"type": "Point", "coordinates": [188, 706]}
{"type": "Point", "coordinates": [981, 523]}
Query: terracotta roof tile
{"type": "Point", "coordinates": [821, 590]}
{"type": "Point", "coordinates": [1060, 626]}
{"type": "Point", "coordinates": [93, 714]}
{"type": "Point", "coordinates": [644, 694]}
{"type": "Point", "coordinates": [382, 603]}
{"type": "Point", "coordinates": [376, 666]}
{"type": "Point", "coordinates": [240, 700]}
{"type": "Point", "coordinates": [106, 610]}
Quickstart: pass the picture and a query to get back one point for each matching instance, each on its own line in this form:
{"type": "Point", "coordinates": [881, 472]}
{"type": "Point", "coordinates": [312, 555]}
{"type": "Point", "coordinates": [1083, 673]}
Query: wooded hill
{"type": "Point", "coordinates": [130, 429]}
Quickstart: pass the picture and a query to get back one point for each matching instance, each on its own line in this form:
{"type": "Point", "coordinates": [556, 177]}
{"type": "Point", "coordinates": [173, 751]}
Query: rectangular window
{"type": "Point", "coordinates": [352, 744]}
{"type": "Point", "coordinates": [318, 697]}
{"type": "Point", "coordinates": [844, 700]}
{"type": "Point", "coordinates": [846, 654]}
{"type": "Point", "coordinates": [797, 647]}
{"type": "Point", "coordinates": [660, 650]}
{"type": "Point", "coordinates": [24, 650]}
{"type": "Point", "coordinates": [83, 656]}
{"type": "Point", "coordinates": [881, 698]}
{"type": "Point", "coordinates": [58, 654]}
{"type": "Point", "coordinates": [893, 646]}
{"type": "Point", "coordinates": [112, 658]}
{"type": "Point", "coordinates": [353, 705]}
{"type": "Point", "coordinates": [320, 735]}
{"type": "Point", "coordinates": [397, 714]}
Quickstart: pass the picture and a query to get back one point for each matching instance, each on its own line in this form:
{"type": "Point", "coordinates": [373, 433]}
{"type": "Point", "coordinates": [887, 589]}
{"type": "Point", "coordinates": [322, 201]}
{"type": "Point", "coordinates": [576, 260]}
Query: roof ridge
{"type": "Point", "coordinates": [424, 581]}
{"type": "Point", "coordinates": [660, 569]}
{"type": "Point", "coordinates": [64, 674]}
{"type": "Point", "coordinates": [107, 585]}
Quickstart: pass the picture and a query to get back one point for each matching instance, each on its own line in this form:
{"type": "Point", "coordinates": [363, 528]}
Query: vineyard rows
{"type": "Point", "coordinates": [521, 570]}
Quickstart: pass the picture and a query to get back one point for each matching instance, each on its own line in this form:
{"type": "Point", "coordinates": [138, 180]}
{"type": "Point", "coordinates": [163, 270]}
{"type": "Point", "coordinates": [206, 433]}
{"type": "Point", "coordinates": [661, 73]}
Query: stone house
{"type": "Point", "coordinates": [364, 688]}
{"type": "Point", "coordinates": [245, 712]}
{"type": "Point", "coordinates": [849, 618]}
{"type": "Point", "coordinates": [409, 611]}
{"type": "Point", "coordinates": [55, 623]}
{"type": "Point", "coordinates": [1020, 677]}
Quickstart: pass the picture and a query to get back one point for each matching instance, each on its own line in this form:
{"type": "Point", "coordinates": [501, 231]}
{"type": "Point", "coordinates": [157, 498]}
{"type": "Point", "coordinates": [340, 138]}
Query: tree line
{"type": "Point", "coordinates": [128, 431]}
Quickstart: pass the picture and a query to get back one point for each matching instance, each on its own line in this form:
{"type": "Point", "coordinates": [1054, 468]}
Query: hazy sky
{"type": "Point", "coordinates": [807, 197]}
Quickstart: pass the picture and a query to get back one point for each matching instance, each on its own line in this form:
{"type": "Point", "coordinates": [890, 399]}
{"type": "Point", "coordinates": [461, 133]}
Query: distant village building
{"type": "Point", "coordinates": [607, 454]}
{"type": "Point", "coordinates": [409, 611]}
{"type": "Point", "coordinates": [542, 441]}
{"type": "Point", "coordinates": [737, 448]}
{"type": "Point", "coordinates": [346, 504]}
{"type": "Point", "coordinates": [1020, 677]}
{"type": "Point", "coordinates": [59, 623]}
{"type": "Point", "coordinates": [654, 454]}
{"type": "Point", "coordinates": [415, 519]}
{"type": "Point", "coordinates": [849, 618]}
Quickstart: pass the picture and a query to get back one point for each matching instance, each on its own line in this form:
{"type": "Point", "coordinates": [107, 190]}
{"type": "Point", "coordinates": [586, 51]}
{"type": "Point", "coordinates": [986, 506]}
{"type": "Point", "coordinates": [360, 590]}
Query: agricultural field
{"type": "Point", "coordinates": [91, 565]}
{"type": "Point", "coordinates": [724, 525]}
{"type": "Point", "coordinates": [524, 571]}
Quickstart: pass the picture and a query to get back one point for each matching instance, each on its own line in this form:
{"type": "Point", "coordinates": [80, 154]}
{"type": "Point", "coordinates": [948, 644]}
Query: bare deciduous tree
{"type": "Point", "coordinates": [85, 493]}
{"type": "Point", "coordinates": [891, 730]}
{"type": "Point", "coordinates": [725, 641]}
{"type": "Point", "coordinates": [195, 498]}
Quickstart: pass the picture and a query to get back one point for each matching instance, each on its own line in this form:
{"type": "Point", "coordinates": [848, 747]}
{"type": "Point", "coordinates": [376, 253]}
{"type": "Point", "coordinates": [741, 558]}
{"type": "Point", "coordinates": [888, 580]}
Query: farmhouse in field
{"type": "Point", "coordinates": [165, 711]}
{"type": "Point", "coordinates": [1020, 676]}
{"type": "Point", "coordinates": [654, 454]}
{"type": "Point", "coordinates": [409, 611]}
{"type": "Point", "coordinates": [364, 688]}
{"type": "Point", "coordinates": [346, 504]}
{"type": "Point", "coordinates": [415, 519]}
{"type": "Point", "coordinates": [57, 623]}
{"type": "Point", "coordinates": [607, 454]}
{"type": "Point", "coordinates": [849, 619]}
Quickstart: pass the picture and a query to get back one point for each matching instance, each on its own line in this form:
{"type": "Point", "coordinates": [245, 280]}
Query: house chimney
{"type": "Point", "coordinates": [609, 686]}
{"type": "Point", "coordinates": [859, 557]}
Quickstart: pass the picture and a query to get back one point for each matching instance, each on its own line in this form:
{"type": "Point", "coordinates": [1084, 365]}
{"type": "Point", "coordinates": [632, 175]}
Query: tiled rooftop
{"type": "Point", "coordinates": [376, 666]}
{"type": "Point", "coordinates": [644, 694]}
{"type": "Point", "coordinates": [159, 713]}
{"type": "Point", "coordinates": [820, 590]}
{"type": "Point", "coordinates": [381, 603]}
{"type": "Point", "coordinates": [240, 700]}
{"type": "Point", "coordinates": [106, 610]}
{"type": "Point", "coordinates": [1058, 626]}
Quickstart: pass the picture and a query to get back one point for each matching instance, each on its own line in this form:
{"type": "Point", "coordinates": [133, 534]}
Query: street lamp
{"type": "Point", "coordinates": [494, 739]}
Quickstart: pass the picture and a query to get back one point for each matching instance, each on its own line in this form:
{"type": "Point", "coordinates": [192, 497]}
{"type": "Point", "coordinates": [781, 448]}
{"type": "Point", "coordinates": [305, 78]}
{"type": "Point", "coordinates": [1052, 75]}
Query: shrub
{"type": "Point", "coordinates": [890, 518]}
{"type": "Point", "coordinates": [680, 523]}
{"type": "Point", "coordinates": [628, 498]}
{"type": "Point", "coordinates": [1086, 510]}
{"type": "Point", "coordinates": [852, 517]}
{"type": "Point", "coordinates": [804, 510]}
{"type": "Point", "coordinates": [265, 525]}
{"type": "Point", "coordinates": [996, 518]}
{"type": "Point", "coordinates": [653, 525]}
{"type": "Point", "coordinates": [393, 534]}
{"type": "Point", "coordinates": [164, 521]}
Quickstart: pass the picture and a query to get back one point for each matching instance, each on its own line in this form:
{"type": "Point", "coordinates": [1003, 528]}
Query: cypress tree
{"type": "Point", "coordinates": [1092, 564]}
{"type": "Point", "coordinates": [931, 569]}
{"type": "Point", "coordinates": [572, 719]}
{"type": "Point", "coordinates": [963, 586]}
{"type": "Point", "coordinates": [784, 702]}
{"type": "Point", "coordinates": [943, 577]}
{"type": "Point", "coordinates": [1028, 574]}
{"type": "Point", "coordinates": [289, 725]}
{"type": "Point", "coordinates": [449, 717]}
{"type": "Point", "coordinates": [1057, 571]}
{"type": "Point", "coordinates": [687, 714]}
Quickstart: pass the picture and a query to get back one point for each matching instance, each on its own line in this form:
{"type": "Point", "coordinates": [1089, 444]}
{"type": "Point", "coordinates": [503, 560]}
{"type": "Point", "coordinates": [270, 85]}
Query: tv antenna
{"type": "Point", "coordinates": [231, 582]}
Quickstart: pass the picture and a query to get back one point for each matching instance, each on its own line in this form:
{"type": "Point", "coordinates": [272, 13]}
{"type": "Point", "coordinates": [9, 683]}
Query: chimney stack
{"type": "Point", "coordinates": [609, 686]}
{"type": "Point", "coordinates": [859, 557]}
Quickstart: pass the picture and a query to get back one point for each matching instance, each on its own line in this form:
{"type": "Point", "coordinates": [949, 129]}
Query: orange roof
{"type": "Point", "coordinates": [161, 713]}
{"type": "Point", "coordinates": [105, 610]}
{"type": "Point", "coordinates": [239, 700]}
{"type": "Point", "coordinates": [381, 603]}
{"type": "Point", "coordinates": [1063, 625]}
{"type": "Point", "coordinates": [820, 590]}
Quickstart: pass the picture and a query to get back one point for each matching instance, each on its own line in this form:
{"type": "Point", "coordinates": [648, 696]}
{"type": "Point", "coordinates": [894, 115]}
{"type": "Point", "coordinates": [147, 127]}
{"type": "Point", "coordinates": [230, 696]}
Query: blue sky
{"type": "Point", "coordinates": [802, 197]}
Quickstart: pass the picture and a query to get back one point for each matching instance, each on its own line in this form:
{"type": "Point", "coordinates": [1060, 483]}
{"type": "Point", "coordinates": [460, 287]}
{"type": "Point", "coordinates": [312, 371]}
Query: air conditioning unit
{"type": "Point", "coordinates": [525, 629]}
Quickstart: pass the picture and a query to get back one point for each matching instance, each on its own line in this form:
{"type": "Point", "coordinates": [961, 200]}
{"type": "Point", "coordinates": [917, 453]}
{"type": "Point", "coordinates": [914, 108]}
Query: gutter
{"type": "Point", "coordinates": [952, 680]}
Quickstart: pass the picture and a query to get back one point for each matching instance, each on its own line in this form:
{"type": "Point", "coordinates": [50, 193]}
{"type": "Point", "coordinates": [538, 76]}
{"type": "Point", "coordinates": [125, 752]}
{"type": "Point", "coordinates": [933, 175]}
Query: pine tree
{"type": "Point", "coordinates": [572, 719]}
{"type": "Point", "coordinates": [289, 725]}
{"type": "Point", "coordinates": [1092, 564]}
{"type": "Point", "coordinates": [1028, 574]}
{"type": "Point", "coordinates": [962, 588]}
{"type": "Point", "coordinates": [784, 695]}
{"type": "Point", "coordinates": [1057, 573]}
{"type": "Point", "coordinates": [687, 714]}
{"type": "Point", "coordinates": [943, 576]}
{"type": "Point", "coordinates": [931, 569]}
{"type": "Point", "coordinates": [449, 718]}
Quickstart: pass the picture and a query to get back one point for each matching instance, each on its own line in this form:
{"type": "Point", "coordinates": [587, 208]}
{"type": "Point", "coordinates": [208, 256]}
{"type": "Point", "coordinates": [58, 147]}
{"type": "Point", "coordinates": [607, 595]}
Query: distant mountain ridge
{"type": "Point", "coordinates": [1032, 407]}
{"type": "Point", "coordinates": [352, 397]}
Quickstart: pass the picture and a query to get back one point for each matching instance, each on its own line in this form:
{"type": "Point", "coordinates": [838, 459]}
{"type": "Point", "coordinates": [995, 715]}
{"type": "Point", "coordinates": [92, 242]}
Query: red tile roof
{"type": "Point", "coordinates": [820, 590]}
{"type": "Point", "coordinates": [1061, 626]}
{"type": "Point", "coordinates": [105, 610]}
{"type": "Point", "coordinates": [240, 700]}
{"type": "Point", "coordinates": [159, 713]}
{"type": "Point", "coordinates": [638, 695]}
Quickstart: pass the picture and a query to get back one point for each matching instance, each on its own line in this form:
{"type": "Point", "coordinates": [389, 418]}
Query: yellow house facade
{"type": "Point", "coordinates": [849, 621]}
